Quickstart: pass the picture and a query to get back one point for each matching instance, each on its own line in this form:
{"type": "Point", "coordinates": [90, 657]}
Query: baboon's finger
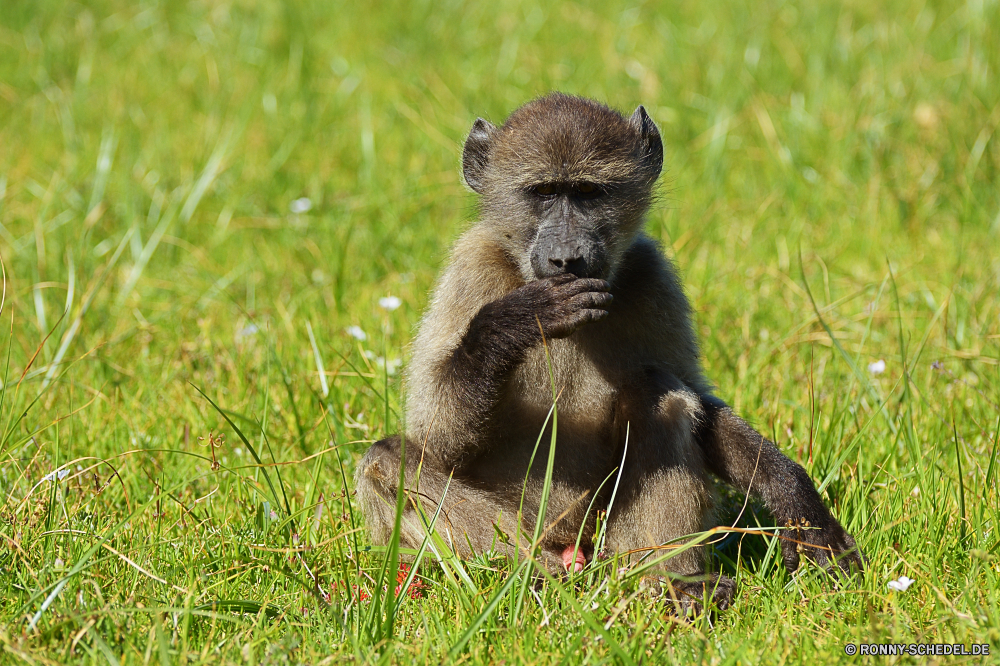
{"type": "Point", "coordinates": [592, 300]}
{"type": "Point", "coordinates": [581, 285]}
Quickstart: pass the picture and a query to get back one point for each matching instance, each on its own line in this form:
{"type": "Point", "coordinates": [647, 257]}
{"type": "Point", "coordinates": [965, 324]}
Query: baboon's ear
{"type": "Point", "coordinates": [650, 146]}
{"type": "Point", "coordinates": [476, 155]}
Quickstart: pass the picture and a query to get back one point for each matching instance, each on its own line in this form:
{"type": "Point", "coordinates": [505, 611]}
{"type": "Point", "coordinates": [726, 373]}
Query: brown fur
{"type": "Point", "coordinates": [478, 386]}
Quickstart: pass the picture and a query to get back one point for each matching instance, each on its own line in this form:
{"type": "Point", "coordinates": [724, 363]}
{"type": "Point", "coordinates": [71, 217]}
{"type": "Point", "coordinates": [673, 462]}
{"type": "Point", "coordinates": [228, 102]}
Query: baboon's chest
{"type": "Point", "coordinates": [586, 391]}
{"type": "Point", "coordinates": [581, 381]}
{"type": "Point", "coordinates": [585, 427]}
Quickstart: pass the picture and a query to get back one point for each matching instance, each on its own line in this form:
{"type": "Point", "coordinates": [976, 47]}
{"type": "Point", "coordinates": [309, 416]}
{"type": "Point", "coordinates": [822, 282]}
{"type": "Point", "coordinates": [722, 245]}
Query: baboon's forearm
{"type": "Point", "coordinates": [472, 376]}
{"type": "Point", "coordinates": [748, 461]}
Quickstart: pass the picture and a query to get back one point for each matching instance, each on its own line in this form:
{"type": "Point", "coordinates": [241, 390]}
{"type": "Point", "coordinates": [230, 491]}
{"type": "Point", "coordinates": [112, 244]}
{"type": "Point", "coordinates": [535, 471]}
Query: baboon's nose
{"type": "Point", "coordinates": [567, 264]}
{"type": "Point", "coordinates": [552, 256]}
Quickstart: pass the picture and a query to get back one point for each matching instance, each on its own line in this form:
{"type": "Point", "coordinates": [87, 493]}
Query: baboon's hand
{"type": "Point", "coordinates": [563, 303]}
{"type": "Point", "coordinates": [504, 329]}
{"type": "Point", "coordinates": [828, 546]}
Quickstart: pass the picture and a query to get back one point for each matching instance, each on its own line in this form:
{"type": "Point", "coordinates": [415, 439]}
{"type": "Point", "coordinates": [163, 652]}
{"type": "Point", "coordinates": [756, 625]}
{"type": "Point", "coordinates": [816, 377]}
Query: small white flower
{"type": "Point", "coordinates": [356, 333]}
{"type": "Point", "coordinates": [877, 368]}
{"type": "Point", "coordinates": [59, 564]}
{"type": "Point", "coordinates": [391, 367]}
{"type": "Point", "coordinates": [248, 330]}
{"type": "Point", "coordinates": [273, 515]}
{"type": "Point", "coordinates": [901, 584]}
{"type": "Point", "coordinates": [303, 205]}
{"type": "Point", "coordinates": [389, 303]}
{"type": "Point", "coordinates": [59, 474]}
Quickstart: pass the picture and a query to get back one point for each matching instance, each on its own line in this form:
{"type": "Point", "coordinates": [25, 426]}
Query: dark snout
{"type": "Point", "coordinates": [560, 249]}
{"type": "Point", "coordinates": [567, 242]}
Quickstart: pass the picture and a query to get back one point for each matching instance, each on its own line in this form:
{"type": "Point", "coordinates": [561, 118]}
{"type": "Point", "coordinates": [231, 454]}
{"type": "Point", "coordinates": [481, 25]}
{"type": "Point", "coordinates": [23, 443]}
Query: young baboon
{"type": "Point", "coordinates": [559, 254]}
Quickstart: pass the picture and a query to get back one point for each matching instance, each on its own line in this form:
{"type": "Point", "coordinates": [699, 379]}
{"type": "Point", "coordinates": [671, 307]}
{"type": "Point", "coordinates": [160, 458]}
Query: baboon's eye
{"type": "Point", "coordinates": [588, 191]}
{"type": "Point", "coordinates": [544, 190]}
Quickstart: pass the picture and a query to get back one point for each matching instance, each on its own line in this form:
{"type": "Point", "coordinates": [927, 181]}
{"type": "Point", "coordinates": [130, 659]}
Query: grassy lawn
{"type": "Point", "coordinates": [203, 203]}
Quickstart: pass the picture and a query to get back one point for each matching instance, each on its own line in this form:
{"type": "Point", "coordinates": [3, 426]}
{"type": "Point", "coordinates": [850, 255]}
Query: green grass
{"type": "Point", "coordinates": [831, 197]}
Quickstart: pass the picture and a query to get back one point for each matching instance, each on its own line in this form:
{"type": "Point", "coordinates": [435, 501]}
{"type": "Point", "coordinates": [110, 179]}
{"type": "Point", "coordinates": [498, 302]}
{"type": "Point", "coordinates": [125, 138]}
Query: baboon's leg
{"type": "Point", "coordinates": [664, 494]}
{"type": "Point", "coordinates": [471, 520]}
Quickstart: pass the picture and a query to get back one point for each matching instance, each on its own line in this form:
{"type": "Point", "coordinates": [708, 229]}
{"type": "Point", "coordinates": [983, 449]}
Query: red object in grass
{"type": "Point", "coordinates": [417, 588]}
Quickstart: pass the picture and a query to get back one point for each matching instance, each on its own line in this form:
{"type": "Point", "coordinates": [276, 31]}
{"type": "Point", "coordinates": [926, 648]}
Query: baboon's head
{"type": "Point", "coordinates": [568, 180]}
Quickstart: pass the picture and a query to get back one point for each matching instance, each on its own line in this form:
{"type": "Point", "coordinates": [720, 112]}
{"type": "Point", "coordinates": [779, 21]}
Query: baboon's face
{"type": "Point", "coordinates": [568, 180]}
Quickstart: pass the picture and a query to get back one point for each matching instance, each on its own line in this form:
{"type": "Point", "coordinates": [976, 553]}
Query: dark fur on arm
{"type": "Point", "coordinates": [741, 456]}
{"type": "Point", "coordinates": [494, 344]}
{"type": "Point", "coordinates": [497, 340]}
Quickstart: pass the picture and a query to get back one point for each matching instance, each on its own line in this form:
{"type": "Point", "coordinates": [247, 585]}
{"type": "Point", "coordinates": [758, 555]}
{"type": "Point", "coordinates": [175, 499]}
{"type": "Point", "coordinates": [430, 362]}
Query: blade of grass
{"type": "Point", "coordinates": [105, 158]}
{"type": "Point", "coordinates": [429, 529]}
{"type": "Point", "coordinates": [52, 590]}
{"type": "Point", "coordinates": [377, 627]}
{"type": "Point", "coordinates": [147, 252]}
{"type": "Point", "coordinates": [319, 361]}
{"type": "Point", "coordinates": [520, 573]}
{"type": "Point", "coordinates": [543, 500]}
{"type": "Point", "coordinates": [862, 379]}
{"type": "Point", "coordinates": [246, 442]}
{"type": "Point", "coordinates": [961, 478]}
{"type": "Point", "coordinates": [70, 334]}
{"type": "Point", "coordinates": [596, 627]}
{"type": "Point", "coordinates": [614, 492]}
{"type": "Point", "coordinates": [993, 458]}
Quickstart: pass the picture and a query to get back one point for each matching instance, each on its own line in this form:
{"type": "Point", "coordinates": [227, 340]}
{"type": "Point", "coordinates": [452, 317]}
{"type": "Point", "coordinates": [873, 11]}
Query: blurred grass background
{"type": "Point", "coordinates": [151, 158]}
